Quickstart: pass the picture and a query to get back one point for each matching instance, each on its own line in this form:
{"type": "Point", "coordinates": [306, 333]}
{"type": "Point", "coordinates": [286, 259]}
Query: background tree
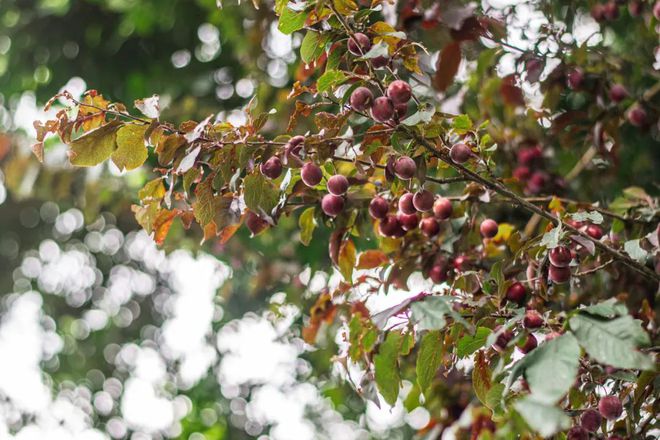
{"type": "Point", "coordinates": [491, 181]}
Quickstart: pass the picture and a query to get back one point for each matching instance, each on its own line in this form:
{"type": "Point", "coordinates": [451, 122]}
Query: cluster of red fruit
{"type": "Point", "coordinates": [393, 106]}
{"type": "Point", "coordinates": [609, 11]}
{"type": "Point", "coordinates": [533, 320]}
{"type": "Point", "coordinates": [530, 169]}
{"type": "Point", "coordinates": [609, 407]}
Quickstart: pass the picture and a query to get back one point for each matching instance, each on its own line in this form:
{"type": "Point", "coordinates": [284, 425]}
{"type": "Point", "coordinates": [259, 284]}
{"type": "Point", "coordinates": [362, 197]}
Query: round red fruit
{"type": "Point", "coordinates": [401, 110]}
{"type": "Point", "coordinates": [460, 153]}
{"type": "Point", "coordinates": [405, 168]}
{"type": "Point", "coordinates": [637, 116]}
{"type": "Point", "coordinates": [488, 228]}
{"type": "Point", "coordinates": [359, 44]}
{"type": "Point", "coordinates": [361, 99]}
{"type": "Point", "coordinates": [442, 208]}
{"type": "Point", "coordinates": [406, 205]}
{"type": "Point", "coordinates": [332, 204]}
{"type": "Point", "coordinates": [382, 109]}
{"type": "Point", "coordinates": [338, 185]}
{"type": "Point", "coordinates": [389, 226]}
{"type": "Point", "coordinates": [516, 293]}
{"type": "Point", "coordinates": [611, 10]}
{"type": "Point", "coordinates": [610, 407]}
{"type": "Point", "coordinates": [272, 168]}
{"type": "Point", "coordinates": [399, 92]}
{"type": "Point", "coordinates": [577, 433]}
{"type": "Point", "coordinates": [423, 200]}
{"type": "Point", "coordinates": [559, 275]}
{"type": "Point", "coordinates": [438, 273]}
{"type": "Point", "coordinates": [530, 344]}
{"type": "Point", "coordinates": [533, 319]}
{"type": "Point", "coordinates": [378, 207]}
{"type": "Point", "coordinates": [560, 256]}
{"type": "Point", "coordinates": [311, 174]}
{"type": "Point", "coordinates": [594, 231]}
{"type": "Point", "coordinates": [429, 226]}
{"type": "Point", "coordinates": [591, 420]}
{"type": "Point", "coordinates": [380, 62]}
{"type": "Point", "coordinates": [408, 221]}
{"type": "Point", "coordinates": [618, 93]}
{"type": "Point", "coordinates": [575, 78]}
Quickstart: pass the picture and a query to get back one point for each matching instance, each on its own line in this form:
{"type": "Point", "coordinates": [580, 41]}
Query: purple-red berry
{"type": "Point", "coordinates": [405, 168]}
{"type": "Point", "coordinates": [594, 231]}
{"type": "Point", "coordinates": [460, 153]}
{"type": "Point", "coordinates": [423, 200]}
{"type": "Point", "coordinates": [637, 116]}
{"type": "Point", "coordinates": [618, 93]}
{"type": "Point", "coordinates": [429, 226]}
{"type": "Point", "coordinates": [575, 78]}
{"type": "Point", "coordinates": [390, 226]}
{"type": "Point", "coordinates": [488, 228]}
{"type": "Point", "coordinates": [610, 407]}
{"type": "Point", "coordinates": [530, 344]}
{"type": "Point", "coordinates": [382, 109]}
{"type": "Point", "coordinates": [406, 204]}
{"type": "Point", "coordinates": [272, 168]}
{"type": "Point", "coordinates": [591, 420]}
{"type": "Point", "coordinates": [378, 207]}
{"type": "Point", "coordinates": [408, 221]}
{"type": "Point", "coordinates": [442, 208]}
{"type": "Point", "coordinates": [254, 223]}
{"type": "Point", "coordinates": [516, 293]}
{"type": "Point", "coordinates": [560, 256]}
{"type": "Point", "coordinates": [399, 92]}
{"type": "Point", "coordinates": [532, 319]}
{"type": "Point", "coordinates": [332, 204]}
{"type": "Point", "coordinates": [361, 99]}
{"type": "Point", "coordinates": [577, 433]}
{"type": "Point", "coordinates": [359, 44]}
{"type": "Point", "coordinates": [338, 185]}
{"type": "Point", "coordinates": [438, 273]}
{"type": "Point", "coordinates": [559, 275]}
{"type": "Point", "coordinates": [311, 174]}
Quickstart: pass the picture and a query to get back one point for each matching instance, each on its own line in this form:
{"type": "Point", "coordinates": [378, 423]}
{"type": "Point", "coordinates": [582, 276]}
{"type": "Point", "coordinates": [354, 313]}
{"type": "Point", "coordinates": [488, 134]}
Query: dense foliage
{"type": "Point", "coordinates": [518, 209]}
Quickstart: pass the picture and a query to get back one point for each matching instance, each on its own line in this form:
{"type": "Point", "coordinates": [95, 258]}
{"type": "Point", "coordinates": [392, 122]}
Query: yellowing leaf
{"type": "Point", "coordinates": [347, 259]}
{"type": "Point", "coordinates": [345, 7]}
{"type": "Point", "coordinates": [371, 259]}
{"type": "Point", "coordinates": [131, 151]}
{"type": "Point", "coordinates": [168, 146]}
{"type": "Point", "coordinates": [93, 116]}
{"type": "Point", "coordinates": [307, 225]}
{"type": "Point", "coordinates": [95, 146]}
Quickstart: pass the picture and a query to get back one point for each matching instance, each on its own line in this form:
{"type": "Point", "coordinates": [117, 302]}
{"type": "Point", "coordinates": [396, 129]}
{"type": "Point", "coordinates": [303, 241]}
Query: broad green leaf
{"type": "Point", "coordinates": [386, 364]}
{"type": "Point", "coordinates": [307, 225]}
{"type": "Point", "coordinates": [429, 359]}
{"type": "Point", "coordinates": [347, 259]}
{"type": "Point", "coordinates": [312, 46]}
{"type": "Point", "coordinates": [291, 21]}
{"type": "Point", "coordinates": [494, 397]}
{"type": "Point", "coordinates": [607, 309]}
{"type": "Point", "coordinates": [423, 115]}
{"type": "Point", "coordinates": [95, 146]}
{"type": "Point", "coordinates": [545, 419]}
{"type": "Point", "coordinates": [260, 195]}
{"type": "Point", "coordinates": [636, 252]}
{"type": "Point", "coordinates": [330, 79]}
{"type": "Point", "coordinates": [377, 50]}
{"type": "Point", "coordinates": [585, 216]}
{"type": "Point", "coordinates": [468, 344]}
{"type": "Point", "coordinates": [205, 204]}
{"type": "Point", "coordinates": [431, 312]}
{"type": "Point", "coordinates": [461, 123]}
{"type": "Point", "coordinates": [613, 342]}
{"type": "Point", "coordinates": [550, 369]}
{"type": "Point", "coordinates": [131, 150]}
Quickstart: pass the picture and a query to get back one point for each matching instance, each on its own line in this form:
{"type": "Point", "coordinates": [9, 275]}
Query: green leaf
{"type": "Point", "coordinates": [307, 225]}
{"type": "Point", "coordinates": [461, 123]}
{"type": "Point", "coordinates": [607, 309]}
{"type": "Point", "coordinates": [95, 146]}
{"type": "Point", "coordinates": [550, 369]}
{"type": "Point", "coordinates": [635, 251]}
{"type": "Point", "coordinates": [131, 150]}
{"type": "Point", "coordinates": [386, 364]}
{"type": "Point", "coordinates": [481, 377]}
{"type": "Point", "coordinates": [423, 115]}
{"type": "Point", "coordinates": [205, 204]}
{"type": "Point", "coordinates": [429, 359]}
{"type": "Point", "coordinates": [545, 419]}
{"type": "Point", "coordinates": [377, 50]}
{"type": "Point", "coordinates": [291, 21]}
{"type": "Point", "coordinates": [494, 396]}
{"type": "Point", "coordinates": [583, 216]}
{"type": "Point", "coordinates": [613, 342]}
{"type": "Point", "coordinates": [260, 194]}
{"type": "Point", "coordinates": [468, 344]}
{"type": "Point", "coordinates": [431, 312]}
{"type": "Point", "coordinates": [312, 46]}
{"type": "Point", "coordinates": [329, 79]}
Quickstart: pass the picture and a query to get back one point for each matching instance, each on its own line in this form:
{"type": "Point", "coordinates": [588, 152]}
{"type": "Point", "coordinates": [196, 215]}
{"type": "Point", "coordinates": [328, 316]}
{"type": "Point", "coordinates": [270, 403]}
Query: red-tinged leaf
{"type": "Point", "coordinates": [511, 93]}
{"type": "Point", "coordinates": [162, 224]}
{"type": "Point", "coordinates": [323, 310]}
{"type": "Point", "coordinates": [470, 30]}
{"type": "Point", "coordinates": [228, 232]}
{"type": "Point", "coordinates": [481, 377]}
{"type": "Point", "coordinates": [334, 244]}
{"type": "Point", "coordinates": [448, 62]}
{"type": "Point", "coordinates": [371, 259]}
{"type": "Point", "coordinates": [210, 231]}
{"type": "Point", "coordinates": [37, 149]}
